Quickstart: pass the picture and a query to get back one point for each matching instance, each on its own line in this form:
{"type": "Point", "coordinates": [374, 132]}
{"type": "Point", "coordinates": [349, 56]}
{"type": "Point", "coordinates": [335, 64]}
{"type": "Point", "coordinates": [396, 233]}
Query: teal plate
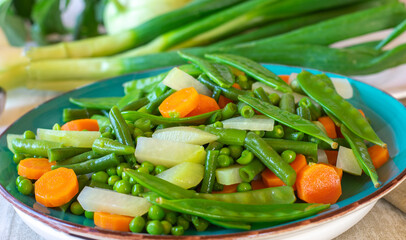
{"type": "Point", "coordinates": [386, 114]}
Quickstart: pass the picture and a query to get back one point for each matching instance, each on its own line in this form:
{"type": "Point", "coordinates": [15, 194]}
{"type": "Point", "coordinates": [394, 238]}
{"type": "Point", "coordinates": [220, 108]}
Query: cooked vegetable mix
{"type": "Point", "coordinates": [164, 170]}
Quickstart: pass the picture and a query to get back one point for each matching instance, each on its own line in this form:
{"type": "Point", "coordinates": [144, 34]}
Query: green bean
{"type": "Point", "coordinates": [304, 112]}
{"type": "Point", "coordinates": [294, 84]}
{"type": "Point", "coordinates": [103, 121]}
{"type": "Point", "coordinates": [336, 105]}
{"type": "Point", "coordinates": [252, 169]}
{"type": "Point", "coordinates": [270, 158]}
{"type": "Point", "coordinates": [152, 107]}
{"type": "Point", "coordinates": [245, 158]}
{"type": "Point", "coordinates": [315, 111]}
{"type": "Point", "coordinates": [214, 146]}
{"type": "Point", "coordinates": [274, 99]}
{"type": "Point", "coordinates": [261, 94]}
{"type": "Point", "coordinates": [102, 103]}
{"type": "Point", "coordinates": [158, 90]}
{"type": "Point", "coordinates": [61, 154]}
{"type": "Point", "coordinates": [245, 110]}
{"type": "Point", "coordinates": [287, 102]}
{"type": "Point", "coordinates": [121, 130]}
{"type": "Point", "coordinates": [292, 120]}
{"type": "Point", "coordinates": [70, 114]}
{"type": "Point", "coordinates": [134, 115]}
{"type": "Point", "coordinates": [104, 146]}
{"type": "Point", "coordinates": [143, 124]}
{"type": "Point", "coordinates": [242, 212]}
{"type": "Point", "coordinates": [98, 184]}
{"type": "Point", "coordinates": [130, 98]}
{"type": "Point", "coordinates": [220, 74]}
{"type": "Point", "coordinates": [216, 94]}
{"type": "Point", "coordinates": [80, 158]}
{"type": "Point", "coordinates": [92, 165]}
{"type": "Point", "coordinates": [229, 110]}
{"type": "Point", "coordinates": [281, 145]}
{"type": "Point", "coordinates": [277, 132]}
{"type": "Point", "coordinates": [34, 147]}
{"type": "Point", "coordinates": [227, 135]}
{"type": "Point", "coordinates": [295, 136]}
{"type": "Point", "coordinates": [324, 146]}
{"type": "Point", "coordinates": [361, 153]}
{"type": "Point", "coordinates": [230, 92]}
{"type": "Point", "coordinates": [135, 104]}
{"type": "Point", "coordinates": [253, 69]}
{"type": "Point", "coordinates": [215, 117]}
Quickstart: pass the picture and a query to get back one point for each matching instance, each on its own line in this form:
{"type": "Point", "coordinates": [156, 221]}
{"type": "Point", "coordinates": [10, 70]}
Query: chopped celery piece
{"type": "Point", "coordinates": [178, 79]}
{"type": "Point", "coordinates": [186, 135]}
{"type": "Point", "coordinates": [256, 123]}
{"type": "Point", "coordinates": [229, 175]}
{"type": "Point", "coordinates": [347, 161]}
{"type": "Point", "coordinates": [83, 139]}
{"type": "Point", "coordinates": [185, 175]}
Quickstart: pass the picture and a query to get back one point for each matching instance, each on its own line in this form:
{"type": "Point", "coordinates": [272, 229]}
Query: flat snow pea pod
{"type": "Point", "coordinates": [249, 171]}
{"type": "Point", "coordinates": [347, 114]}
{"type": "Point", "coordinates": [270, 158]}
{"type": "Point", "coordinates": [221, 75]}
{"type": "Point", "coordinates": [273, 195]}
{"type": "Point", "coordinates": [253, 69]}
{"type": "Point", "coordinates": [80, 158]}
{"type": "Point", "coordinates": [60, 154]}
{"type": "Point", "coordinates": [121, 130]}
{"type": "Point", "coordinates": [70, 114]}
{"type": "Point", "coordinates": [304, 112]}
{"type": "Point", "coordinates": [198, 119]}
{"type": "Point", "coordinates": [102, 103]}
{"type": "Point", "coordinates": [92, 165]}
{"type": "Point", "coordinates": [129, 98]}
{"type": "Point", "coordinates": [305, 148]}
{"type": "Point", "coordinates": [230, 225]}
{"type": "Point", "coordinates": [209, 171]}
{"type": "Point", "coordinates": [227, 135]}
{"type": "Point", "coordinates": [34, 147]}
{"type": "Point", "coordinates": [134, 104]}
{"type": "Point", "coordinates": [289, 119]}
{"type": "Point", "coordinates": [152, 106]}
{"type": "Point", "coordinates": [228, 92]}
{"type": "Point", "coordinates": [360, 151]}
{"type": "Point", "coordinates": [106, 146]}
{"type": "Point", "coordinates": [242, 212]}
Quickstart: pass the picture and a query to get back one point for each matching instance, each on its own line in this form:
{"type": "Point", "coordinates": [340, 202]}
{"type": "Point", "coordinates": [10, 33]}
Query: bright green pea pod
{"type": "Point", "coordinates": [134, 115]}
{"type": "Point", "coordinates": [102, 103]}
{"type": "Point", "coordinates": [347, 114]}
{"type": "Point", "coordinates": [242, 212]}
{"type": "Point", "coordinates": [253, 69]}
{"type": "Point", "coordinates": [361, 154]}
{"type": "Point", "coordinates": [106, 146]}
{"type": "Point", "coordinates": [34, 147]}
{"type": "Point", "coordinates": [289, 119]}
{"type": "Point", "coordinates": [218, 73]}
{"type": "Point", "coordinates": [227, 135]}
{"type": "Point", "coordinates": [230, 225]}
{"type": "Point", "coordinates": [92, 165]}
{"type": "Point", "coordinates": [60, 154]}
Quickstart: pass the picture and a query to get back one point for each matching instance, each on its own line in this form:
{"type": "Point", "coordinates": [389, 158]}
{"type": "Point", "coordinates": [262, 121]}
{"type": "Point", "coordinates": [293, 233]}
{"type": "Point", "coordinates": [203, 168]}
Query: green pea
{"type": "Point", "coordinates": [19, 179]}
{"type": "Point", "coordinates": [137, 189]}
{"type": "Point", "coordinates": [113, 179]}
{"type": "Point", "coordinates": [56, 126]}
{"type": "Point", "coordinates": [171, 217]}
{"type": "Point", "coordinates": [148, 165]}
{"type": "Point", "coordinates": [243, 187]}
{"type": "Point", "coordinates": [76, 208]}
{"type": "Point", "coordinates": [225, 151]}
{"type": "Point", "coordinates": [183, 222]}
{"type": "Point", "coordinates": [155, 227]}
{"type": "Point", "coordinates": [138, 133]}
{"type": "Point", "coordinates": [89, 215]}
{"type": "Point", "coordinates": [29, 134]}
{"type": "Point", "coordinates": [167, 227]}
{"type": "Point", "coordinates": [107, 135]}
{"type": "Point", "coordinates": [177, 231]}
{"type": "Point", "coordinates": [288, 155]}
{"type": "Point", "coordinates": [137, 224]}
{"type": "Point", "coordinates": [159, 169]}
{"type": "Point", "coordinates": [218, 124]}
{"type": "Point", "coordinates": [246, 157]}
{"type": "Point", "coordinates": [188, 217]}
{"type": "Point", "coordinates": [111, 171]}
{"type": "Point", "coordinates": [200, 223]}
{"type": "Point", "coordinates": [100, 176]}
{"type": "Point", "coordinates": [143, 170]}
{"type": "Point", "coordinates": [132, 181]}
{"type": "Point", "coordinates": [155, 212]}
{"type": "Point", "coordinates": [218, 186]}
{"type": "Point", "coordinates": [125, 176]}
{"type": "Point", "coordinates": [235, 151]}
{"type": "Point", "coordinates": [17, 157]}
{"type": "Point", "coordinates": [121, 167]}
{"type": "Point", "coordinates": [224, 160]}
{"type": "Point", "coordinates": [25, 186]}
{"type": "Point", "coordinates": [122, 186]}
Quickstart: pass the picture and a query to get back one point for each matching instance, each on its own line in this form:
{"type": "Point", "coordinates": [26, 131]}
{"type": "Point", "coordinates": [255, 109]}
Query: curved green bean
{"type": "Point", "coordinates": [80, 158]}
{"type": "Point", "coordinates": [227, 135]}
{"type": "Point", "coordinates": [252, 169]}
{"type": "Point", "coordinates": [106, 146]}
{"type": "Point", "coordinates": [228, 92]}
{"type": "Point", "coordinates": [287, 102]}
{"type": "Point", "coordinates": [61, 154]}
{"type": "Point", "coordinates": [34, 147]}
{"type": "Point", "coordinates": [209, 171]}
{"type": "Point", "coordinates": [134, 115]}
{"type": "Point", "coordinates": [92, 165]}
{"type": "Point", "coordinates": [305, 148]}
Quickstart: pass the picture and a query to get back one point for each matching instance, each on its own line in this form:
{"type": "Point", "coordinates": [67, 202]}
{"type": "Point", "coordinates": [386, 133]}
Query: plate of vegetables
{"type": "Point", "coordinates": [223, 147]}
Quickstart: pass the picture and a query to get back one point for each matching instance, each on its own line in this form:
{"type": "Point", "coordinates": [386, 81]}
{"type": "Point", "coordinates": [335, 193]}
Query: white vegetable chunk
{"type": "Point", "coordinates": [103, 200]}
{"type": "Point", "coordinates": [69, 138]}
{"type": "Point", "coordinates": [178, 79]}
{"type": "Point", "coordinates": [185, 175]}
{"type": "Point", "coordinates": [343, 87]}
{"type": "Point", "coordinates": [185, 134]}
{"type": "Point", "coordinates": [229, 175]}
{"type": "Point", "coordinates": [347, 161]}
{"type": "Point", "coordinates": [322, 156]}
{"type": "Point", "coordinates": [168, 153]}
{"type": "Point", "coordinates": [256, 123]}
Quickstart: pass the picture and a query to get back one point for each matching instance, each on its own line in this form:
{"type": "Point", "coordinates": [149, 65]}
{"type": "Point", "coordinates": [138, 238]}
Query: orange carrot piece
{"type": "Point", "coordinates": [34, 168]}
{"type": "Point", "coordinates": [338, 170]}
{"type": "Point", "coordinates": [271, 180]}
{"type": "Point", "coordinates": [362, 112]}
{"type": "Point", "coordinates": [56, 187]}
{"type": "Point", "coordinates": [331, 156]}
{"type": "Point", "coordinates": [228, 189]}
{"type": "Point", "coordinates": [236, 71]}
{"type": "Point", "coordinates": [179, 104]}
{"type": "Point", "coordinates": [223, 101]}
{"type": "Point", "coordinates": [329, 126]}
{"type": "Point", "coordinates": [237, 86]}
{"type": "Point", "coordinates": [285, 78]}
{"type": "Point", "coordinates": [113, 222]}
{"type": "Point", "coordinates": [80, 125]}
{"type": "Point", "coordinates": [318, 183]}
{"type": "Point", "coordinates": [379, 155]}
{"type": "Point", "coordinates": [206, 104]}
{"type": "Point", "coordinates": [258, 184]}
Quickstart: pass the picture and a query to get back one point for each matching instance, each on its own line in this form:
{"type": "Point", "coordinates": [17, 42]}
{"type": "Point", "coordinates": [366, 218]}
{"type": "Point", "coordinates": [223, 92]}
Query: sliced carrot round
{"type": "Point", "coordinates": [80, 125]}
{"type": "Point", "coordinates": [179, 104]}
{"type": "Point", "coordinates": [112, 221]}
{"type": "Point", "coordinates": [206, 104]}
{"type": "Point", "coordinates": [318, 183]}
{"type": "Point", "coordinates": [56, 187]}
{"type": "Point", "coordinates": [34, 168]}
